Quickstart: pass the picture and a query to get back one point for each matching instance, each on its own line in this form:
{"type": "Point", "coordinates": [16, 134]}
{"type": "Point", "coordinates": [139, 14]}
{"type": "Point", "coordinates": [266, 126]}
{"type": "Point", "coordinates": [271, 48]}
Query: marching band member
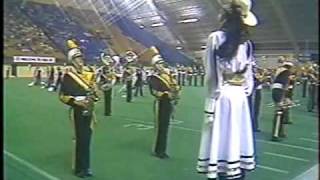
{"type": "Point", "coordinates": [304, 79]}
{"type": "Point", "coordinates": [202, 74]}
{"type": "Point", "coordinates": [8, 72]}
{"type": "Point", "coordinates": [50, 83]}
{"type": "Point", "coordinates": [78, 90]}
{"type": "Point", "coordinates": [189, 75]}
{"type": "Point", "coordinates": [128, 73]}
{"type": "Point", "coordinates": [165, 89]}
{"type": "Point", "coordinates": [289, 95]}
{"type": "Point", "coordinates": [312, 87]}
{"type": "Point", "coordinates": [281, 100]}
{"type": "Point", "coordinates": [195, 75]}
{"type": "Point", "coordinates": [106, 80]}
{"type": "Point", "coordinates": [259, 80]}
{"type": "Point", "coordinates": [36, 77]}
{"type": "Point", "coordinates": [139, 82]}
{"type": "Point", "coordinates": [59, 79]}
{"type": "Point", "coordinates": [179, 74]}
{"type": "Point", "coordinates": [183, 74]}
{"type": "Point", "coordinates": [227, 144]}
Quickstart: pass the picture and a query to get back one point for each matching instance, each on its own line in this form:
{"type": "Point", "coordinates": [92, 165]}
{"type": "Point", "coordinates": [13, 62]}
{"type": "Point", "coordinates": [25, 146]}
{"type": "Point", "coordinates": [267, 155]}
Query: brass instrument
{"type": "Point", "coordinates": [163, 77]}
{"type": "Point", "coordinates": [91, 98]}
{"type": "Point", "coordinates": [108, 80]}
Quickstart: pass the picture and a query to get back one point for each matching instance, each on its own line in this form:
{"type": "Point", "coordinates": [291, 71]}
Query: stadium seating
{"type": "Point", "coordinates": [21, 37]}
{"type": "Point", "coordinates": [60, 27]}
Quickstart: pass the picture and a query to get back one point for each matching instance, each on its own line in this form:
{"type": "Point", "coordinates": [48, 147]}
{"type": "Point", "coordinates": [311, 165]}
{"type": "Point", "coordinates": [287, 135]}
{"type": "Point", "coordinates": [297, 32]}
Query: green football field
{"type": "Point", "coordinates": [38, 133]}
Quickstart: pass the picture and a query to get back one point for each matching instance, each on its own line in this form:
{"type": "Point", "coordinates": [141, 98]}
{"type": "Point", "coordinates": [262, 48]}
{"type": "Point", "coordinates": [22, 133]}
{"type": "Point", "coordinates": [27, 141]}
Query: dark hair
{"type": "Point", "coordinates": [236, 32]}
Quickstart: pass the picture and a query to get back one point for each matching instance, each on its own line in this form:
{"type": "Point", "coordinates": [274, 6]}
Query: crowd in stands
{"type": "Point", "coordinates": [21, 37]}
{"type": "Point", "coordinates": [60, 27]}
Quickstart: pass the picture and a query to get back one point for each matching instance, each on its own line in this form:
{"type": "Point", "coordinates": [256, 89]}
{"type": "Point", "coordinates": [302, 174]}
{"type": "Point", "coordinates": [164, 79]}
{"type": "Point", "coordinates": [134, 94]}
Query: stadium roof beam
{"type": "Point", "coordinates": [285, 25]}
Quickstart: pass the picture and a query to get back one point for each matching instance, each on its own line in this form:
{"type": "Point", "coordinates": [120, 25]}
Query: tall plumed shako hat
{"type": "Point", "coordinates": [245, 6]}
{"type": "Point", "coordinates": [72, 44]}
{"type": "Point", "coordinates": [74, 50]}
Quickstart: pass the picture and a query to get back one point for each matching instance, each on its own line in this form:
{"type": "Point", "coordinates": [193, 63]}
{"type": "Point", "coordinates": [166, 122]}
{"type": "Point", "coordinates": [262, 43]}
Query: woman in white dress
{"type": "Point", "coordinates": [227, 147]}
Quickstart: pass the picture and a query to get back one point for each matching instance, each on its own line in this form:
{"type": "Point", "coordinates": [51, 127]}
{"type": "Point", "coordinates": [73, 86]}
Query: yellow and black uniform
{"type": "Point", "coordinates": [159, 84]}
{"type": "Point", "coordinates": [279, 96]}
{"type": "Point", "coordinates": [195, 75]}
{"type": "Point", "coordinates": [107, 79]}
{"type": "Point", "coordinates": [128, 76]}
{"type": "Point", "coordinates": [312, 89]}
{"type": "Point", "coordinates": [80, 86]}
{"type": "Point", "coordinates": [202, 73]}
{"type": "Point", "coordinates": [190, 75]}
{"type": "Point", "coordinates": [179, 75]}
{"type": "Point", "coordinates": [289, 96]}
{"type": "Point", "coordinates": [304, 79]}
{"type": "Point", "coordinates": [258, 82]}
{"type": "Point", "coordinates": [183, 75]}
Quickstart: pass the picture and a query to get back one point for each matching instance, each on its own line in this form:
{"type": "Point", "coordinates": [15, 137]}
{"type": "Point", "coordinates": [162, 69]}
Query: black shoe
{"type": "Point", "coordinates": [276, 139]}
{"type": "Point", "coordinates": [84, 174]}
{"type": "Point", "coordinates": [282, 135]}
{"type": "Point", "coordinates": [289, 122]}
{"type": "Point", "coordinates": [161, 156]}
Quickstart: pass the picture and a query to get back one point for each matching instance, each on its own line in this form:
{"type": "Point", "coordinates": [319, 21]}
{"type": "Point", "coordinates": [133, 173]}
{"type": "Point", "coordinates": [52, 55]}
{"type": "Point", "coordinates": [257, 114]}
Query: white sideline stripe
{"type": "Point", "coordinates": [286, 156]}
{"type": "Point", "coordinates": [309, 140]}
{"type": "Point", "coordinates": [29, 165]}
{"type": "Point", "coordinates": [273, 169]}
{"type": "Point", "coordinates": [313, 171]}
{"type": "Point", "coordinates": [287, 145]}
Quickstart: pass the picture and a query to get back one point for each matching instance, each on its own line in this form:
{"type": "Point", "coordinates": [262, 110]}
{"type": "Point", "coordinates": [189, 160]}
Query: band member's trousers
{"type": "Point", "coordinates": [202, 80]}
{"type": "Point", "coordinates": [278, 121]}
{"type": "Point", "coordinates": [163, 115]}
{"type": "Point", "coordinates": [37, 80]}
{"type": "Point", "coordinates": [190, 80]}
{"type": "Point", "coordinates": [107, 102]}
{"type": "Point", "coordinates": [311, 97]}
{"type": "Point", "coordinates": [179, 79]}
{"type": "Point", "coordinates": [7, 74]}
{"type": "Point", "coordinates": [129, 90]}
{"type": "Point", "coordinates": [83, 131]}
{"type": "Point", "coordinates": [139, 89]}
{"type": "Point", "coordinates": [183, 79]}
{"type": "Point", "coordinates": [195, 80]}
{"type": "Point", "coordinates": [256, 111]}
{"type": "Point", "coordinates": [57, 85]}
{"type": "Point", "coordinates": [304, 87]}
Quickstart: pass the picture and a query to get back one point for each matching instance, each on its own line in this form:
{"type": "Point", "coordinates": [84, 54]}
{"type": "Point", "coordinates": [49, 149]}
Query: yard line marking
{"type": "Point", "coordinates": [29, 165]}
{"type": "Point", "coordinates": [258, 140]}
{"type": "Point", "coordinates": [286, 156]}
{"type": "Point", "coordinates": [273, 169]}
{"type": "Point", "coordinates": [287, 145]}
{"type": "Point", "coordinates": [315, 134]}
{"type": "Point", "coordinates": [177, 127]}
{"type": "Point", "coordinates": [309, 140]}
{"type": "Point", "coordinates": [313, 171]}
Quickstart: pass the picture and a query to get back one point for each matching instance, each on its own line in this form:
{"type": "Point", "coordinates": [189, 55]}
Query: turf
{"type": "Point", "coordinates": [38, 131]}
